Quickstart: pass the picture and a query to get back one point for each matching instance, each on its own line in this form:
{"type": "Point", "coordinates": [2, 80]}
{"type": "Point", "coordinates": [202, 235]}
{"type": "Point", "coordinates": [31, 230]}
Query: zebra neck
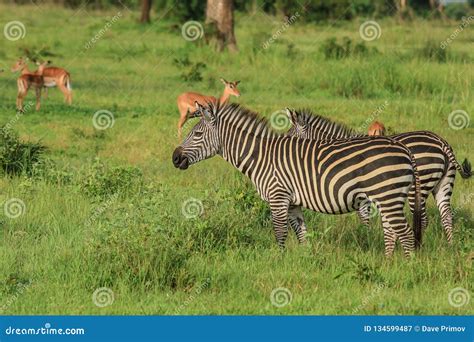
{"type": "Point", "coordinates": [244, 150]}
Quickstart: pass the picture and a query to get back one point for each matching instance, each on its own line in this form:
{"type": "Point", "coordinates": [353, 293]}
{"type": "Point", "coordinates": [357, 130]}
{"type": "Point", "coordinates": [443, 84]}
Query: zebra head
{"type": "Point", "coordinates": [299, 124]}
{"type": "Point", "coordinates": [202, 142]}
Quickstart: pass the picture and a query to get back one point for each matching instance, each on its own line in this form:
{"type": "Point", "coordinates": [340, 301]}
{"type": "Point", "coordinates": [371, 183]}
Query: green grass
{"type": "Point", "coordinates": [106, 210]}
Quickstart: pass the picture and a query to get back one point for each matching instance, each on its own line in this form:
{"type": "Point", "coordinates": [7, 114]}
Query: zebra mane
{"type": "Point", "coordinates": [235, 113]}
{"type": "Point", "coordinates": [326, 126]}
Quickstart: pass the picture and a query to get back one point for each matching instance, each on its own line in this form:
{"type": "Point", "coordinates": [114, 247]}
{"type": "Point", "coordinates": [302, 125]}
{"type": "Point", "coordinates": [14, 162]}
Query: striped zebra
{"type": "Point", "coordinates": [290, 173]}
{"type": "Point", "coordinates": [434, 157]}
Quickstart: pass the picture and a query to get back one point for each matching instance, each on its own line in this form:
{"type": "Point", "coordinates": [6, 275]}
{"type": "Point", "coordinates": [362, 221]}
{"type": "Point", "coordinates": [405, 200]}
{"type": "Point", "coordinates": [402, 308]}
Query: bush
{"type": "Point", "coordinates": [457, 11]}
{"type": "Point", "coordinates": [18, 157]}
{"type": "Point", "coordinates": [102, 181]}
{"type": "Point", "coordinates": [434, 52]}
{"type": "Point", "coordinates": [331, 49]}
{"type": "Point", "coordinates": [191, 72]}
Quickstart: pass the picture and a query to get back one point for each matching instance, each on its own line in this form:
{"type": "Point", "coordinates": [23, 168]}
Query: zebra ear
{"type": "Point", "coordinates": [292, 115]}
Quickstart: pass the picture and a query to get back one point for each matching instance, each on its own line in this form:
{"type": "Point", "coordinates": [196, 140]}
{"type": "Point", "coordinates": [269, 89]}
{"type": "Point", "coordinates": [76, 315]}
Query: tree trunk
{"type": "Point", "coordinates": [146, 7]}
{"type": "Point", "coordinates": [221, 14]}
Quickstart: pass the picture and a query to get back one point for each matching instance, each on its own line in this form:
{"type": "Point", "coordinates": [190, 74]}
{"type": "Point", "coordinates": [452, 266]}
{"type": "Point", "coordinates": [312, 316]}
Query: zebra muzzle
{"type": "Point", "coordinates": [180, 160]}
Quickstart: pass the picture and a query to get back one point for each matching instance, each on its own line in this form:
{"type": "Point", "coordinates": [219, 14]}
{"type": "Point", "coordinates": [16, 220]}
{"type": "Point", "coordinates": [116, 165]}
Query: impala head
{"type": "Point", "coordinates": [42, 65]}
{"type": "Point", "coordinates": [299, 124]}
{"type": "Point", "coordinates": [20, 64]}
{"type": "Point", "coordinates": [231, 87]}
{"type": "Point", "coordinates": [376, 128]}
{"type": "Point", "coordinates": [202, 142]}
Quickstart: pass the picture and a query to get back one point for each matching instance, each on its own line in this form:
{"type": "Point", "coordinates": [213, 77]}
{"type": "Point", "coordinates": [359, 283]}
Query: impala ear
{"type": "Point", "coordinates": [237, 82]}
{"type": "Point", "coordinates": [223, 80]}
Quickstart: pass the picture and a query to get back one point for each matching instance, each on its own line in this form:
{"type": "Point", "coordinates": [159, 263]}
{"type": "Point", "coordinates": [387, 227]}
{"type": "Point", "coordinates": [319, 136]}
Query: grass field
{"type": "Point", "coordinates": [105, 209]}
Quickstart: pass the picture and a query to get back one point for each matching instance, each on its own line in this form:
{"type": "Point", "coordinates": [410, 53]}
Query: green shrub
{"type": "Point", "coordinates": [102, 181]}
{"type": "Point", "coordinates": [331, 49]}
{"type": "Point", "coordinates": [434, 52]}
{"type": "Point", "coordinates": [18, 157]}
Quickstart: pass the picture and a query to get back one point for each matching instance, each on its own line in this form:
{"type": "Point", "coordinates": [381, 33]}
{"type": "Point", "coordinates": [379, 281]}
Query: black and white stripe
{"type": "Point", "coordinates": [434, 157]}
{"type": "Point", "coordinates": [332, 177]}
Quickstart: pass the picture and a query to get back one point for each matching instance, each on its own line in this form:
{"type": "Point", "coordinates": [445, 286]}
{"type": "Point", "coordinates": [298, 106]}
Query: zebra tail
{"type": "Point", "coordinates": [417, 207]}
{"type": "Point", "coordinates": [465, 169]}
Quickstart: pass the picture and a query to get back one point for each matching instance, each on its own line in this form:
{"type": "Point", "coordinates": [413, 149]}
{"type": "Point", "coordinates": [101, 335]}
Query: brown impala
{"type": "Point", "coordinates": [56, 77]}
{"type": "Point", "coordinates": [376, 128]}
{"type": "Point", "coordinates": [27, 80]}
{"type": "Point", "coordinates": [186, 101]}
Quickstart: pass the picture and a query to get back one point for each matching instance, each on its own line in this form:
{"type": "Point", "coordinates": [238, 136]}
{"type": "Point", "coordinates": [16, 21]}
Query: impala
{"type": "Point", "coordinates": [186, 101]}
{"type": "Point", "coordinates": [27, 80]}
{"type": "Point", "coordinates": [56, 77]}
{"type": "Point", "coordinates": [376, 128]}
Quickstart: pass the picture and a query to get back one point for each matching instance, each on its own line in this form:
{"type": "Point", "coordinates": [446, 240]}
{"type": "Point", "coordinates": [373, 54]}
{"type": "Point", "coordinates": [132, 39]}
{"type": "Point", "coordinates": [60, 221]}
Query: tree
{"type": "Point", "coordinates": [220, 13]}
{"type": "Point", "coordinates": [146, 7]}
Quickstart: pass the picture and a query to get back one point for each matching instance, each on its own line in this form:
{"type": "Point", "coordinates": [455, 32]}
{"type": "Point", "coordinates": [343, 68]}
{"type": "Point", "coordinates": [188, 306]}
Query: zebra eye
{"type": "Point", "coordinates": [198, 134]}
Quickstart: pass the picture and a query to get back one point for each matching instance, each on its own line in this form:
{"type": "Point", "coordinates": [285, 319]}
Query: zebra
{"type": "Point", "coordinates": [290, 173]}
{"type": "Point", "coordinates": [434, 158]}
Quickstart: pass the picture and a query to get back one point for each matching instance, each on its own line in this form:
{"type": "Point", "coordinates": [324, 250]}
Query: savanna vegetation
{"type": "Point", "coordinates": [106, 208]}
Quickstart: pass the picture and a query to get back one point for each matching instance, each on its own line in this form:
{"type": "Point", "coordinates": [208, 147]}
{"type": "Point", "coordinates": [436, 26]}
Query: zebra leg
{"type": "Point", "coordinates": [279, 209]}
{"type": "Point", "coordinates": [389, 238]}
{"type": "Point", "coordinates": [394, 222]}
{"type": "Point", "coordinates": [442, 195]}
{"type": "Point", "coordinates": [364, 214]}
{"type": "Point", "coordinates": [295, 217]}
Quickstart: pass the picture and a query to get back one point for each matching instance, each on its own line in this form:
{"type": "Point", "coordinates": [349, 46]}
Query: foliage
{"type": "Point", "coordinates": [333, 50]}
{"type": "Point", "coordinates": [18, 157]}
{"type": "Point", "coordinates": [103, 181]}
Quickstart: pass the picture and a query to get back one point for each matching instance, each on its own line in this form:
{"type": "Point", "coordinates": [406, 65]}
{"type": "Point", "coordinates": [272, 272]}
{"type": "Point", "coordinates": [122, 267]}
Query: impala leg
{"type": "Point", "coordinates": [181, 122]}
{"type": "Point", "coordinates": [38, 98]}
{"type": "Point", "coordinates": [65, 92]}
{"type": "Point", "coordinates": [295, 217]}
{"type": "Point", "coordinates": [19, 100]}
